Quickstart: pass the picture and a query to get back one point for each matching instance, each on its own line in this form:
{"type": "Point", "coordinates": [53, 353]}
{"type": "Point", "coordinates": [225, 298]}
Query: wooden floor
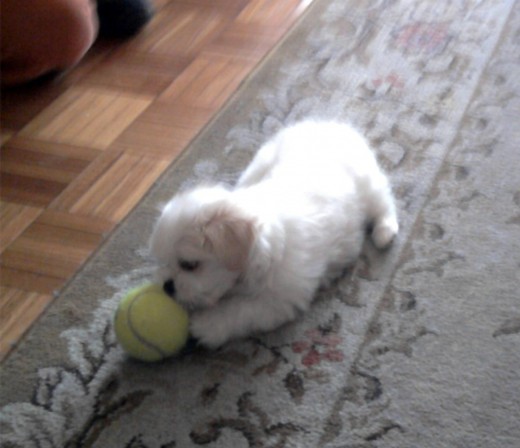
{"type": "Point", "coordinates": [78, 153]}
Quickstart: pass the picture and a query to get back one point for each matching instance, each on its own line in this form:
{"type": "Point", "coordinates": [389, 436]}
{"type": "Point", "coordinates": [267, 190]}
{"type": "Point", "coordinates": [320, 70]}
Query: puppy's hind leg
{"type": "Point", "coordinates": [260, 166]}
{"type": "Point", "coordinates": [382, 211]}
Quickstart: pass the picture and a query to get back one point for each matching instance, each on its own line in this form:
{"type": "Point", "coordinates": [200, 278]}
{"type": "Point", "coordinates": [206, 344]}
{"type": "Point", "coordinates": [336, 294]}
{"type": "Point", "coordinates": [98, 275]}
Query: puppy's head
{"type": "Point", "coordinates": [202, 242]}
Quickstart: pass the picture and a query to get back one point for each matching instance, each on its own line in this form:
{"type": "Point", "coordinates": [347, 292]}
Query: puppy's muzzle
{"type": "Point", "coordinates": [169, 288]}
{"type": "Point", "coordinates": [192, 343]}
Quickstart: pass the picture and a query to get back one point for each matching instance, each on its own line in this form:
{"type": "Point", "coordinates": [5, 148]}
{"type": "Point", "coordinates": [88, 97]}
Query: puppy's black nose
{"type": "Point", "coordinates": [169, 287]}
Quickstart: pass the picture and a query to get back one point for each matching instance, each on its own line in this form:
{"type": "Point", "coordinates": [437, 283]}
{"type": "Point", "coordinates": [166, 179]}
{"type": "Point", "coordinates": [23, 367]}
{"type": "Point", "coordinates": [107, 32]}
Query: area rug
{"type": "Point", "coordinates": [418, 346]}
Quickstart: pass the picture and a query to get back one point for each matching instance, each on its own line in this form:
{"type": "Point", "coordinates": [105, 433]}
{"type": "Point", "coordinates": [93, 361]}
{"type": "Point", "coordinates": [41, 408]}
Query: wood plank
{"type": "Point", "coordinates": [163, 130]}
{"type": "Point", "coordinates": [56, 107]}
{"type": "Point", "coordinates": [181, 29]}
{"type": "Point", "coordinates": [76, 222]}
{"type": "Point", "coordinates": [48, 260]}
{"type": "Point", "coordinates": [87, 117]}
{"type": "Point", "coordinates": [45, 160]}
{"type": "Point", "coordinates": [41, 235]}
{"type": "Point", "coordinates": [110, 121]}
{"type": "Point", "coordinates": [14, 219]}
{"type": "Point", "coordinates": [18, 310]}
{"type": "Point", "coordinates": [29, 281]}
{"type": "Point", "coordinates": [54, 251]}
{"type": "Point", "coordinates": [51, 149]}
{"type": "Point", "coordinates": [139, 72]}
{"type": "Point", "coordinates": [131, 190]}
{"type": "Point", "coordinates": [209, 81]}
{"type": "Point", "coordinates": [272, 14]}
{"type": "Point", "coordinates": [120, 188]}
{"type": "Point", "coordinates": [232, 7]}
{"type": "Point", "coordinates": [77, 117]}
{"type": "Point", "coordinates": [76, 189]}
{"type": "Point", "coordinates": [248, 41]}
{"type": "Point", "coordinates": [28, 190]}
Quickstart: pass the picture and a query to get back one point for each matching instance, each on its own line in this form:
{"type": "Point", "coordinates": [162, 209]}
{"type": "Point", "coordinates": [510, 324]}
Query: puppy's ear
{"type": "Point", "coordinates": [230, 237]}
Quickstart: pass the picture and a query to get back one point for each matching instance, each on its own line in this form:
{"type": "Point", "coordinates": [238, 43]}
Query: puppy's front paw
{"type": "Point", "coordinates": [384, 232]}
{"type": "Point", "coordinates": [208, 329]}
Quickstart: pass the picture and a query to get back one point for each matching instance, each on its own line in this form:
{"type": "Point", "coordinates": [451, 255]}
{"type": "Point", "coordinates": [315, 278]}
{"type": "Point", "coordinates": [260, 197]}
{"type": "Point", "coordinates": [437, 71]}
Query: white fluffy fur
{"type": "Point", "coordinates": [295, 219]}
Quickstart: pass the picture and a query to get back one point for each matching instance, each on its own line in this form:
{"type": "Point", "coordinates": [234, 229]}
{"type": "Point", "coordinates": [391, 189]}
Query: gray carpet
{"type": "Point", "coordinates": [415, 347]}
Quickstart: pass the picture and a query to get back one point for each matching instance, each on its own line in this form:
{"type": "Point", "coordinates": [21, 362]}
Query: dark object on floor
{"type": "Point", "coordinates": [123, 18]}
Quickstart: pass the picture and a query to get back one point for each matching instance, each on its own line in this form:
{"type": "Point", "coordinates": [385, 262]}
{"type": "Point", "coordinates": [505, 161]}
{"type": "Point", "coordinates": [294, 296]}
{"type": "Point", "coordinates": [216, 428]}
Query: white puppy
{"type": "Point", "coordinates": [249, 259]}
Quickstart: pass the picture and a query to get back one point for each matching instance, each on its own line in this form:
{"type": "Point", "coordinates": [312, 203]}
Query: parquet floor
{"type": "Point", "coordinates": [79, 153]}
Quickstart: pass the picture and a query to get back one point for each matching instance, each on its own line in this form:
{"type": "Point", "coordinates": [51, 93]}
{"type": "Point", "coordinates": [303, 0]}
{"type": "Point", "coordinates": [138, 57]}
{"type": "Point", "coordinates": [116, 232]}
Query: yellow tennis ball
{"type": "Point", "coordinates": [150, 325]}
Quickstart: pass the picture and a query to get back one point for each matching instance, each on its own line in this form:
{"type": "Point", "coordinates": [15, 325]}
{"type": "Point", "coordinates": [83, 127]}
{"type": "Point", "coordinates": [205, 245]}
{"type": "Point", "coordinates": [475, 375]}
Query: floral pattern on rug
{"type": "Point", "coordinates": [381, 358]}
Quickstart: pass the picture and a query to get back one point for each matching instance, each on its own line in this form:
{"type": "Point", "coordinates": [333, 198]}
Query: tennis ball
{"type": "Point", "coordinates": [150, 325]}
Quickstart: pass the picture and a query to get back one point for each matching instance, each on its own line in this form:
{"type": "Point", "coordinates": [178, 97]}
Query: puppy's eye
{"type": "Point", "coordinates": [188, 266]}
